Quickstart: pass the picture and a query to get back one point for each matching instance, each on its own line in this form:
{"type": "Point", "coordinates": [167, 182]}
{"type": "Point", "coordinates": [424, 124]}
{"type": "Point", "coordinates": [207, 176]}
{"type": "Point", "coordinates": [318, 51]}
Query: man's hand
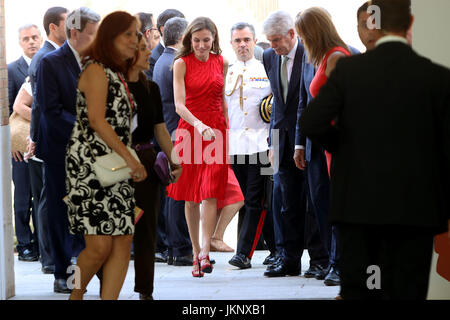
{"type": "Point", "coordinates": [299, 158]}
{"type": "Point", "coordinates": [17, 155]}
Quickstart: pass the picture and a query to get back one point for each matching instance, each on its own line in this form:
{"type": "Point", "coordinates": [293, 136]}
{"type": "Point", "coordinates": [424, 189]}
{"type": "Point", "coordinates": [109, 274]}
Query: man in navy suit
{"type": "Point", "coordinates": [318, 181]}
{"type": "Point", "coordinates": [57, 78]}
{"type": "Point", "coordinates": [27, 244]}
{"type": "Point", "coordinates": [283, 64]}
{"type": "Point", "coordinates": [180, 246]}
{"type": "Point", "coordinates": [54, 19]}
{"type": "Point", "coordinates": [162, 246]}
{"type": "Point", "coordinates": [158, 51]}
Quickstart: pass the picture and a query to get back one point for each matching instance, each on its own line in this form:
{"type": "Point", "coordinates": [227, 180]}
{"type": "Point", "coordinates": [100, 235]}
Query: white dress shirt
{"type": "Point", "coordinates": [248, 133]}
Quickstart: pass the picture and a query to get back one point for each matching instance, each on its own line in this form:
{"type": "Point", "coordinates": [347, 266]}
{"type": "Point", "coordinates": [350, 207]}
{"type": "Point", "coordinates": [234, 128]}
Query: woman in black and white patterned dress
{"type": "Point", "coordinates": [104, 215]}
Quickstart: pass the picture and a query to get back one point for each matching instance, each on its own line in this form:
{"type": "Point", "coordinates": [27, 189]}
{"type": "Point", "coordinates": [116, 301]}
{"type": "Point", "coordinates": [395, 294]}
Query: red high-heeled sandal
{"type": "Point", "coordinates": [196, 272]}
{"type": "Point", "coordinates": [205, 264]}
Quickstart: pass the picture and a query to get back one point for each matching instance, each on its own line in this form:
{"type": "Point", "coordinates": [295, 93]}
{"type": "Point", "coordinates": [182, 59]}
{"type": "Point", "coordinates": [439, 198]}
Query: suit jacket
{"type": "Point", "coordinates": [391, 140]}
{"type": "Point", "coordinates": [156, 53]}
{"type": "Point", "coordinates": [56, 94]}
{"type": "Point", "coordinates": [32, 71]}
{"type": "Point", "coordinates": [17, 72]}
{"type": "Point", "coordinates": [284, 115]}
{"type": "Point", "coordinates": [163, 76]}
{"type": "Point", "coordinates": [308, 73]}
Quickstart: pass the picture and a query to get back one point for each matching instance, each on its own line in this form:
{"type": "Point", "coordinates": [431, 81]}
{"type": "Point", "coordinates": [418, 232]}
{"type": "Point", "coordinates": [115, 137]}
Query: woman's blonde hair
{"type": "Point", "coordinates": [318, 32]}
{"type": "Point", "coordinates": [199, 24]}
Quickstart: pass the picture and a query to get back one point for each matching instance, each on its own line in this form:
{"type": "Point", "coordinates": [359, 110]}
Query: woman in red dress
{"type": "Point", "coordinates": [201, 138]}
{"type": "Point", "coordinates": [324, 46]}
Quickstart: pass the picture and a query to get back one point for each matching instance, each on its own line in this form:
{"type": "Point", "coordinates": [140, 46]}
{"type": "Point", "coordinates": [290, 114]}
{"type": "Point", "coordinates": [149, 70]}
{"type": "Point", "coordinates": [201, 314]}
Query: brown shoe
{"type": "Point", "coordinates": [218, 245]}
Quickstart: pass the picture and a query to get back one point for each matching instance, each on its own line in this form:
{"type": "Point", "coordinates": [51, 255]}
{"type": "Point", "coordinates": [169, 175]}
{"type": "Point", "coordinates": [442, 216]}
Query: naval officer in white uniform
{"type": "Point", "coordinates": [246, 86]}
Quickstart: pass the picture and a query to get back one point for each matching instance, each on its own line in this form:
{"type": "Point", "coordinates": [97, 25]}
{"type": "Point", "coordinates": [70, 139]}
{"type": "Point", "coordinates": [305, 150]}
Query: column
{"type": "Point", "coordinates": [7, 289]}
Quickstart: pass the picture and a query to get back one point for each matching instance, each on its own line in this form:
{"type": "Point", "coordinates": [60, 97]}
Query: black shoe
{"type": "Point", "coordinates": [241, 261]}
{"type": "Point", "coordinates": [276, 263]}
{"type": "Point", "coordinates": [131, 255]}
{"type": "Point", "coordinates": [161, 257]}
{"type": "Point", "coordinates": [145, 297]}
{"type": "Point", "coordinates": [60, 286]}
{"type": "Point", "coordinates": [322, 274]}
{"type": "Point", "coordinates": [28, 256]}
{"type": "Point", "coordinates": [332, 278]}
{"type": "Point", "coordinates": [282, 270]}
{"type": "Point", "coordinates": [48, 269]}
{"type": "Point", "coordinates": [183, 261]}
{"type": "Point", "coordinates": [212, 261]}
{"type": "Point", "coordinates": [313, 271]}
{"type": "Point", "coordinates": [270, 259]}
{"type": "Point", "coordinates": [170, 260]}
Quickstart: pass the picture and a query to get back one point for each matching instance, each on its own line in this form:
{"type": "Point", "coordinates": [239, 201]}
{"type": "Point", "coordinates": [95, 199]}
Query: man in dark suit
{"type": "Point", "coordinates": [317, 181]}
{"type": "Point", "coordinates": [387, 207]}
{"type": "Point", "coordinates": [180, 246]}
{"type": "Point", "coordinates": [54, 19]}
{"type": "Point", "coordinates": [162, 246]}
{"type": "Point", "coordinates": [158, 51]}
{"type": "Point", "coordinates": [283, 64]}
{"type": "Point", "coordinates": [30, 41]}
{"type": "Point", "coordinates": [57, 78]}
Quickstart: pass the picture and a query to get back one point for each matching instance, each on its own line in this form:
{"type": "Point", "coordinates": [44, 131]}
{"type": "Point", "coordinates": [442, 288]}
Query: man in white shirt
{"type": "Point", "coordinates": [246, 86]}
{"type": "Point", "coordinates": [30, 41]}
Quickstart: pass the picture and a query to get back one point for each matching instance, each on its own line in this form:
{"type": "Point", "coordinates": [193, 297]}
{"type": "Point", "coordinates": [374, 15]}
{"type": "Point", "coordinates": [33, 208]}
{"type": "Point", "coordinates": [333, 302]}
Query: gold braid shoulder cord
{"type": "Point", "coordinates": [241, 91]}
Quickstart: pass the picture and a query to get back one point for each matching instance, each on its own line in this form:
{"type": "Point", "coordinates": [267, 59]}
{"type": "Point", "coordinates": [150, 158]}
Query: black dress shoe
{"type": "Point", "coordinates": [282, 270]}
{"type": "Point", "coordinates": [313, 271]}
{"type": "Point", "coordinates": [332, 278]}
{"type": "Point", "coordinates": [322, 274]}
{"type": "Point", "coordinates": [161, 257]}
{"type": "Point", "coordinates": [48, 269]}
{"type": "Point", "coordinates": [270, 259]}
{"type": "Point", "coordinates": [28, 256]}
{"type": "Point", "coordinates": [241, 261]}
{"type": "Point", "coordinates": [60, 286]}
{"type": "Point", "coordinates": [145, 297]}
{"type": "Point", "coordinates": [182, 261]}
{"type": "Point", "coordinates": [170, 260]}
{"type": "Point", "coordinates": [276, 263]}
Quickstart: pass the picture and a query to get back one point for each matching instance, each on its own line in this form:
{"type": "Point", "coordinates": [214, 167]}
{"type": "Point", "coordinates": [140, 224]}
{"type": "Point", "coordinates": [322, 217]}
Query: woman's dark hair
{"type": "Point", "coordinates": [102, 49]}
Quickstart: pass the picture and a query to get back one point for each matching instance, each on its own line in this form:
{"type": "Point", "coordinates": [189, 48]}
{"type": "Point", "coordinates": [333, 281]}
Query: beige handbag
{"type": "Point", "coordinates": [111, 168]}
{"type": "Point", "coordinates": [20, 130]}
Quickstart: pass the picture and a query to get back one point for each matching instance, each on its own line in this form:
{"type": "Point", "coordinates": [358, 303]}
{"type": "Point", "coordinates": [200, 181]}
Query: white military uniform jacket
{"type": "Point", "coordinates": [248, 133]}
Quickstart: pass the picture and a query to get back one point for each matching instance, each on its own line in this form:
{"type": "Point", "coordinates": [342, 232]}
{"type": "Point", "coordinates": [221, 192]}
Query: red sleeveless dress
{"type": "Point", "coordinates": [206, 172]}
{"type": "Point", "coordinates": [319, 80]}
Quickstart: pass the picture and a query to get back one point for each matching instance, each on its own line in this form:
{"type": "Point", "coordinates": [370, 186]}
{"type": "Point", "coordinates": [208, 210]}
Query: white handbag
{"type": "Point", "coordinates": [112, 168]}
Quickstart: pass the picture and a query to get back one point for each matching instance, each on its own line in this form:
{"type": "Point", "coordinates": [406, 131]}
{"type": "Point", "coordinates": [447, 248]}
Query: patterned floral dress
{"type": "Point", "coordinates": [93, 209]}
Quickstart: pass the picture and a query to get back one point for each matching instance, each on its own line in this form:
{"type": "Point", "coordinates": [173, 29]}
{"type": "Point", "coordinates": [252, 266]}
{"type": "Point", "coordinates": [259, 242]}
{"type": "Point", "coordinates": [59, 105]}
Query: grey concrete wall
{"type": "Point", "coordinates": [6, 229]}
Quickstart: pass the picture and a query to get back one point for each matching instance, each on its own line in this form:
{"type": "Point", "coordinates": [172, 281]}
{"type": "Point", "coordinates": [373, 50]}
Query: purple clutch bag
{"type": "Point", "coordinates": [162, 169]}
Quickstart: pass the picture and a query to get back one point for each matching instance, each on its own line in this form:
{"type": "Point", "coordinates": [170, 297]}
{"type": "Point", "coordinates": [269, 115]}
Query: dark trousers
{"type": "Point", "coordinates": [147, 194]}
{"type": "Point", "coordinates": [276, 215]}
{"type": "Point", "coordinates": [39, 192]}
{"type": "Point", "coordinates": [293, 209]}
{"type": "Point", "coordinates": [177, 230]}
{"type": "Point", "coordinates": [23, 209]}
{"type": "Point", "coordinates": [318, 183]}
{"type": "Point", "coordinates": [64, 245]}
{"type": "Point", "coordinates": [403, 255]}
{"type": "Point", "coordinates": [248, 173]}
{"type": "Point", "coordinates": [318, 254]}
{"type": "Point", "coordinates": [162, 242]}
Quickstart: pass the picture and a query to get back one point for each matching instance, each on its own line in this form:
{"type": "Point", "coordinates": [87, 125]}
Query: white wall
{"type": "Point", "coordinates": [431, 39]}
